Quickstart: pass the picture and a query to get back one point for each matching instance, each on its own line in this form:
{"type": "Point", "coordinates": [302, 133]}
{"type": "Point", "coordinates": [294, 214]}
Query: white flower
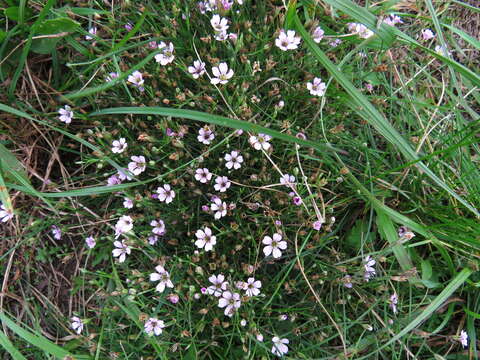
{"type": "Point", "coordinates": [219, 285]}
{"type": "Point", "coordinates": [274, 246]}
{"type": "Point", "coordinates": [111, 76]}
{"type": "Point", "coordinates": [91, 31]}
{"type": "Point", "coordinates": [361, 30]}
{"type": "Point", "coordinates": [153, 326]}
{"type": "Point", "coordinates": [123, 225]}
{"type": "Point", "coordinates": [252, 287]}
{"type": "Point", "coordinates": [90, 241]}
{"type": "Point", "coordinates": [5, 214]}
{"type": "Point", "coordinates": [56, 232]}
{"type": "Point", "coordinates": [152, 240]}
{"type": "Point", "coordinates": [394, 302]}
{"type": "Point", "coordinates": [441, 50]}
{"type": "Point", "coordinates": [123, 174]}
{"type": "Point", "coordinates": [261, 141]}
{"type": "Point", "coordinates": [136, 78]}
{"type": "Point", "coordinates": [121, 251]}
{"type": "Point", "coordinates": [77, 324]}
{"type": "Point", "coordinates": [222, 74]}
{"type": "Point", "coordinates": [138, 165]}
{"type": "Point", "coordinates": [203, 175]}
{"type": "Point", "coordinates": [197, 70]}
{"type": "Point", "coordinates": [127, 203]}
{"type": "Point", "coordinates": [317, 87]}
{"type": "Point", "coordinates": [463, 338]}
{"type": "Point", "coordinates": [222, 183]}
{"type": "Point", "coordinates": [368, 264]}
{"type": "Point", "coordinates": [205, 135]}
{"type": "Point", "coordinates": [233, 160]}
{"type": "Point", "coordinates": [427, 34]}
{"type": "Point", "coordinates": [163, 277]}
{"type": "Point", "coordinates": [119, 146]}
{"type": "Point", "coordinates": [392, 20]}
{"type": "Point", "coordinates": [219, 207]}
{"type": "Point", "coordinates": [279, 346]}
{"type": "Point", "coordinates": [287, 41]}
{"type": "Point", "coordinates": [221, 36]}
{"type": "Point", "coordinates": [318, 34]}
{"type": "Point", "coordinates": [66, 114]}
{"type": "Point", "coordinates": [219, 24]}
{"type": "Point", "coordinates": [230, 301]}
{"type": "Point", "coordinates": [259, 337]}
{"type": "Point", "coordinates": [158, 227]}
{"type": "Point", "coordinates": [287, 180]}
{"type": "Point", "coordinates": [205, 239]}
{"type": "Point", "coordinates": [165, 193]}
{"type": "Point", "coordinates": [166, 56]}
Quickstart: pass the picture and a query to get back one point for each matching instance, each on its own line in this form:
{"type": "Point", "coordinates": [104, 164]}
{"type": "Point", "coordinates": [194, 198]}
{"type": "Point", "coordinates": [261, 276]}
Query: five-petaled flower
{"type": "Point", "coordinates": [317, 34]}
{"type": "Point", "coordinates": [137, 165]}
{"type": "Point", "coordinates": [279, 346]}
{"type": "Point", "coordinates": [260, 141]}
{"type": "Point", "coordinates": [252, 287]}
{"type": "Point", "coordinates": [221, 74]}
{"type": "Point", "coordinates": [153, 326]}
{"type": "Point", "coordinates": [90, 241]}
{"type": "Point", "coordinates": [66, 114]}
{"type": "Point", "coordinates": [203, 175]}
{"type": "Point", "coordinates": [205, 135]}
{"type": "Point", "coordinates": [121, 250]}
{"type": "Point", "coordinates": [219, 24]}
{"type": "Point", "coordinates": [222, 183]}
{"type": "Point", "coordinates": [166, 56]}
{"type": "Point", "coordinates": [163, 277]}
{"type": "Point", "coordinates": [219, 208]}
{"type": "Point", "coordinates": [274, 246]}
{"type": "Point", "coordinates": [158, 227]}
{"type": "Point", "coordinates": [287, 40]}
{"type": "Point", "coordinates": [77, 324]}
{"type": "Point", "coordinates": [123, 225]}
{"type": "Point", "coordinates": [219, 285]}
{"type": "Point", "coordinates": [119, 146]}
{"type": "Point", "coordinates": [197, 70]}
{"type": "Point", "coordinates": [233, 160]}
{"type": "Point", "coordinates": [205, 239]}
{"type": "Point", "coordinates": [230, 301]}
{"type": "Point", "coordinates": [316, 87]}
{"type": "Point", "coordinates": [136, 79]}
{"type": "Point", "coordinates": [165, 193]}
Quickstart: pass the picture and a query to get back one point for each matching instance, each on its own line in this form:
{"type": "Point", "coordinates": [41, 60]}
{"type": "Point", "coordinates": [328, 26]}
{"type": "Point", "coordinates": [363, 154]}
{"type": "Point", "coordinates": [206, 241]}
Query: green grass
{"type": "Point", "coordinates": [402, 154]}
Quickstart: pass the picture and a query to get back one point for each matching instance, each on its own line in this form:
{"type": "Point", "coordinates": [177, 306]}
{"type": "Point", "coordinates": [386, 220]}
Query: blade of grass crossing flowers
{"type": "Point", "coordinates": [38, 341]}
{"type": "Point", "coordinates": [214, 119]}
{"type": "Point", "coordinates": [8, 346]}
{"type": "Point", "coordinates": [454, 284]}
{"type": "Point", "coordinates": [366, 110]}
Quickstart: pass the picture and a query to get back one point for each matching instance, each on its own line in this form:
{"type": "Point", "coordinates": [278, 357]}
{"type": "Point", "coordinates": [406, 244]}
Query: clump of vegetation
{"type": "Point", "coordinates": [239, 179]}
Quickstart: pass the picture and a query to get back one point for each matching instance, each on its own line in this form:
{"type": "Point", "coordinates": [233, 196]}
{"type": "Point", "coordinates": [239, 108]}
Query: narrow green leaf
{"type": "Point", "coordinates": [471, 40]}
{"type": "Point", "coordinates": [8, 346]}
{"type": "Point", "coordinates": [214, 119]}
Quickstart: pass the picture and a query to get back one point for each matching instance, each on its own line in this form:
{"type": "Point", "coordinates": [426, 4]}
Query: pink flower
{"type": "Point", "coordinates": [274, 246]}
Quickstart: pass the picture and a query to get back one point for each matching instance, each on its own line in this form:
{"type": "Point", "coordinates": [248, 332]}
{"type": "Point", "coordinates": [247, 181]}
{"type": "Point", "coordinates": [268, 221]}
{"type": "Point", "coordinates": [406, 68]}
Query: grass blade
{"type": "Point", "coordinates": [214, 119]}
{"type": "Point", "coordinates": [8, 346]}
{"type": "Point", "coordinates": [368, 112]}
